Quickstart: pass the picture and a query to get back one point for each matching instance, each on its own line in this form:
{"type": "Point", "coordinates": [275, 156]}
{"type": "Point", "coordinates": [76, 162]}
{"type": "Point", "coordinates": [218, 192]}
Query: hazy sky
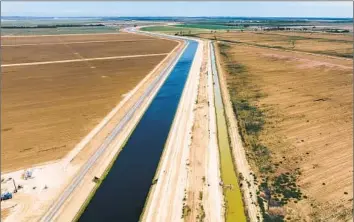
{"type": "Point", "coordinates": [177, 8]}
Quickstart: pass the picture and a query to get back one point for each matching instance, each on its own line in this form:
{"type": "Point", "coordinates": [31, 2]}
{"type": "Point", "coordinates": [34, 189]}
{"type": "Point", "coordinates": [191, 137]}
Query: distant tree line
{"type": "Point", "coordinates": [51, 26]}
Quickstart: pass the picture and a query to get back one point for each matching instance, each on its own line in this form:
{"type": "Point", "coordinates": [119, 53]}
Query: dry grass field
{"type": "Point", "coordinates": [47, 109]}
{"type": "Point", "coordinates": [295, 112]}
{"type": "Point", "coordinates": [321, 43]}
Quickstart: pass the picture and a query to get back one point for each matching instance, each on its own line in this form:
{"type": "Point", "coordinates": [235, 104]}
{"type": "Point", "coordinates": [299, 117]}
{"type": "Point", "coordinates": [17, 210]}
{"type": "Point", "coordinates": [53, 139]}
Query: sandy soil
{"type": "Point", "coordinates": [197, 181]}
{"type": "Point", "coordinates": [165, 201]}
{"type": "Point", "coordinates": [311, 131]}
{"type": "Point", "coordinates": [29, 206]}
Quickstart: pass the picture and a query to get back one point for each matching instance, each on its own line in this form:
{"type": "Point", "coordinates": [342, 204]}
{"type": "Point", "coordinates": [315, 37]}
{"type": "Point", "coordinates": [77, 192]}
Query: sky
{"type": "Point", "coordinates": [338, 9]}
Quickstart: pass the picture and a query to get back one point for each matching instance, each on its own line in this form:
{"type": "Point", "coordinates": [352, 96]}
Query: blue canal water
{"type": "Point", "coordinates": [122, 194]}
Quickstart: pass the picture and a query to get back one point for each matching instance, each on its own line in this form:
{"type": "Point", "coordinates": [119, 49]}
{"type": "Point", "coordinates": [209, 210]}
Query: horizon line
{"type": "Point", "coordinates": [169, 16]}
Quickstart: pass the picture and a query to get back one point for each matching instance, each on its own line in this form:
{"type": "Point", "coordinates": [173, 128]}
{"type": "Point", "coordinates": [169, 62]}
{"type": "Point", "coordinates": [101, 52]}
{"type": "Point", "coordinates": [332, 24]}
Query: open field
{"type": "Point", "coordinates": [66, 51]}
{"type": "Point", "coordinates": [327, 44]}
{"type": "Point", "coordinates": [208, 26]}
{"type": "Point", "coordinates": [52, 107]}
{"type": "Point", "coordinates": [58, 31]}
{"type": "Point", "coordinates": [175, 29]}
{"type": "Point", "coordinates": [62, 39]}
{"type": "Point", "coordinates": [316, 35]}
{"type": "Point", "coordinates": [300, 148]}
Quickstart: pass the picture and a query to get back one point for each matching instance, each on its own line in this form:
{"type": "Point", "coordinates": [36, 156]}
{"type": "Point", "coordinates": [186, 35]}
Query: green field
{"type": "Point", "coordinates": [208, 26]}
{"type": "Point", "coordinates": [61, 30]}
{"type": "Point", "coordinates": [174, 29]}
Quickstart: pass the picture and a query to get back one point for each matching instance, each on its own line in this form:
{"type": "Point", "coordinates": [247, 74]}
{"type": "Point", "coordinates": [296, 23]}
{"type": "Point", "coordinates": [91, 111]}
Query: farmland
{"type": "Point", "coordinates": [208, 26]}
{"type": "Point", "coordinates": [175, 29]}
{"type": "Point", "coordinates": [51, 107]}
{"type": "Point", "coordinates": [59, 31]}
{"type": "Point", "coordinates": [327, 44]}
{"type": "Point", "coordinates": [300, 148]}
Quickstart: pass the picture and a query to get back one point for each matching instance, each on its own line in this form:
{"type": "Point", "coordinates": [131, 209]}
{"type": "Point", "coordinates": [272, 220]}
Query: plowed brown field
{"type": "Point", "coordinates": [40, 53]}
{"type": "Point", "coordinates": [17, 40]}
{"type": "Point", "coordinates": [47, 109]}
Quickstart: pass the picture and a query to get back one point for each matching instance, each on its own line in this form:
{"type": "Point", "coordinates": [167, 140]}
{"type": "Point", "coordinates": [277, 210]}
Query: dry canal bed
{"type": "Point", "coordinates": [47, 109]}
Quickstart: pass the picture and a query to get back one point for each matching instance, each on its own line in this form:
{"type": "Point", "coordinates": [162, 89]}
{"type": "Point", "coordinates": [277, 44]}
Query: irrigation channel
{"type": "Point", "coordinates": [122, 194]}
{"type": "Point", "coordinates": [234, 210]}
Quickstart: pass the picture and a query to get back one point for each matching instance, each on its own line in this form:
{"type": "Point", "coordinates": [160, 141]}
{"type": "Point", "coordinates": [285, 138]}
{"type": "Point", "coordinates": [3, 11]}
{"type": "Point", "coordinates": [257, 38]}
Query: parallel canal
{"type": "Point", "coordinates": [122, 194]}
{"type": "Point", "coordinates": [232, 193]}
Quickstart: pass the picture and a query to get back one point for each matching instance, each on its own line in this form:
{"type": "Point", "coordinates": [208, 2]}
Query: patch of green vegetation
{"type": "Point", "coordinates": [201, 215]}
{"type": "Point", "coordinates": [185, 31]}
{"type": "Point", "coordinates": [185, 211]}
{"type": "Point", "coordinates": [210, 26]}
{"type": "Point", "coordinates": [200, 195]}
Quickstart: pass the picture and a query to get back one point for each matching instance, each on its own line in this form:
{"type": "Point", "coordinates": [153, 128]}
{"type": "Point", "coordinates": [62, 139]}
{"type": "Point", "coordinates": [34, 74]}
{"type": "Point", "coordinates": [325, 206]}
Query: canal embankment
{"type": "Point", "coordinates": [122, 194]}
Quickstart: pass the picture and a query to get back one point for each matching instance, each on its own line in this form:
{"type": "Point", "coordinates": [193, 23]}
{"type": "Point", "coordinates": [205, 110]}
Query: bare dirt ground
{"type": "Point", "coordinates": [52, 107]}
{"type": "Point", "coordinates": [42, 53]}
{"type": "Point", "coordinates": [60, 39]}
{"type": "Point", "coordinates": [65, 100]}
{"type": "Point", "coordinates": [196, 184]}
{"type": "Point", "coordinates": [306, 103]}
{"type": "Point", "coordinates": [30, 204]}
{"type": "Point", "coordinates": [327, 44]}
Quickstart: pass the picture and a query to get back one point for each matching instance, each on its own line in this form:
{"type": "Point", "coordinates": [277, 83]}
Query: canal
{"type": "Point", "coordinates": [234, 210]}
{"type": "Point", "coordinates": [122, 194]}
